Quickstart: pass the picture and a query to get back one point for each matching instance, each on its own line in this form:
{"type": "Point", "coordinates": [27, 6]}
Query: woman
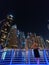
{"type": "Point", "coordinates": [36, 52]}
{"type": "Point", "coordinates": [35, 49]}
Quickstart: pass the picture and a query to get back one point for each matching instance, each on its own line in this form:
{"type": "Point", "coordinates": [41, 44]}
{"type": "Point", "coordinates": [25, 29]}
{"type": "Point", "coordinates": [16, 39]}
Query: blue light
{"type": "Point", "coordinates": [3, 55]}
{"type": "Point", "coordinates": [23, 54]}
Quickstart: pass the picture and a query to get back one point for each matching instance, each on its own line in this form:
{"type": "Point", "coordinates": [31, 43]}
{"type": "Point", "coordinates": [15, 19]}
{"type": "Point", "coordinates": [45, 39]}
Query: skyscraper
{"type": "Point", "coordinates": [5, 29]}
{"type": "Point", "coordinates": [13, 39]}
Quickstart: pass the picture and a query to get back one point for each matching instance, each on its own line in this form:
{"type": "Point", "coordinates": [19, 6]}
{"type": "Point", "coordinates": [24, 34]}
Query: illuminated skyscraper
{"type": "Point", "coordinates": [47, 44]}
{"type": "Point", "coordinates": [13, 39]}
{"type": "Point", "coordinates": [41, 42]}
{"type": "Point", "coordinates": [5, 29]}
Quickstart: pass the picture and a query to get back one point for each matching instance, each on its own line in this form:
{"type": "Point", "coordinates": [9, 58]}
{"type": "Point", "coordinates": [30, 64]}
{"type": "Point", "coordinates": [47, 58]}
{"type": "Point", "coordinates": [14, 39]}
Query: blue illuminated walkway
{"type": "Point", "coordinates": [23, 57]}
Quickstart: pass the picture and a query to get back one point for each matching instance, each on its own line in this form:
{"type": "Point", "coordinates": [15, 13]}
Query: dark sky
{"type": "Point", "coordinates": [30, 15]}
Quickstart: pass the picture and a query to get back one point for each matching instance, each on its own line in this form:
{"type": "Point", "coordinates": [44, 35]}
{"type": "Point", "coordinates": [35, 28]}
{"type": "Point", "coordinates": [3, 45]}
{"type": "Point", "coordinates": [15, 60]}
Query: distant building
{"type": "Point", "coordinates": [31, 38]}
{"type": "Point", "coordinates": [41, 42]}
{"type": "Point", "coordinates": [22, 40]}
{"type": "Point", "coordinates": [5, 29]}
{"type": "Point", "coordinates": [47, 44]}
{"type": "Point", "coordinates": [13, 39]}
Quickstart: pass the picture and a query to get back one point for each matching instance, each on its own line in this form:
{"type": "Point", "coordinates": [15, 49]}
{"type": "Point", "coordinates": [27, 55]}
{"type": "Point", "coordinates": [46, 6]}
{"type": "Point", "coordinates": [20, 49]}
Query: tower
{"type": "Point", "coordinates": [5, 29]}
{"type": "Point", "coordinates": [13, 39]}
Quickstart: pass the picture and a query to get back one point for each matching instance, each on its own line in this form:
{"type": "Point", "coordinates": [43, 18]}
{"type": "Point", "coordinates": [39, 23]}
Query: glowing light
{"type": "Point", "coordinates": [47, 41]}
{"type": "Point", "coordinates": [10, 17]}
{"type": "Point", "coordinates": [14, 26]}
{"type": "Point", "coordinates": [4, 36]}
{"type": "Point", "coordinates": [3, 55]}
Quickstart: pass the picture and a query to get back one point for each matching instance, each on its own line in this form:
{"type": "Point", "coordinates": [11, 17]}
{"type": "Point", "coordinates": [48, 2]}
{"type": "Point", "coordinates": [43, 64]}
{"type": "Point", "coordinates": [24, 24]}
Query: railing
{"type": "Point", "coordinates": [23, 57]}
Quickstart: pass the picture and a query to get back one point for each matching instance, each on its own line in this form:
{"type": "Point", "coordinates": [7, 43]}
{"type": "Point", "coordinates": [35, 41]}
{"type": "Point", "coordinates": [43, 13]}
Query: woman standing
{"type": "Point", "coordinates": [36, 52]}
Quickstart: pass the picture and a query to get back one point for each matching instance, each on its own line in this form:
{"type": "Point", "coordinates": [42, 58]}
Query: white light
{"type": "Point", "coordinates": [11, 15]}
{"type": "Point", "coordinates": [48, 26]}
{"type": "Point", "coordinates": [14, 26]}
{"type": "Point", "coordinates": [47, 41]}
{"type": "Point", "coordinates": [3, 55]}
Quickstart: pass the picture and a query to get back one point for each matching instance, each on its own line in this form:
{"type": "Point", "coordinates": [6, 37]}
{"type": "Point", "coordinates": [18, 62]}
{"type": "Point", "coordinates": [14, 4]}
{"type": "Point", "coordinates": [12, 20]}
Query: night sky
{"type": "Point", "coordinates": [30, 15]}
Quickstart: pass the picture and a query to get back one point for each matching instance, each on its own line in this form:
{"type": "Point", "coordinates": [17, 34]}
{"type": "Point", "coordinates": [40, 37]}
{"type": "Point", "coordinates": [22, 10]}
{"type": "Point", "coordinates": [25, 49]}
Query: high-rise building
{"type": "Point", "coordinates": [41, 42]}
{"type": "Point", "coordinates": [5, 29]}
{"type": "Point", "coordinates": [29, 40]}
{"type": "Point", "coordinates": [47, 44]}
{"type": "Point", "coordinates": [13, 39]}
{"type": "Point", "coordinates": [22, 40]}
